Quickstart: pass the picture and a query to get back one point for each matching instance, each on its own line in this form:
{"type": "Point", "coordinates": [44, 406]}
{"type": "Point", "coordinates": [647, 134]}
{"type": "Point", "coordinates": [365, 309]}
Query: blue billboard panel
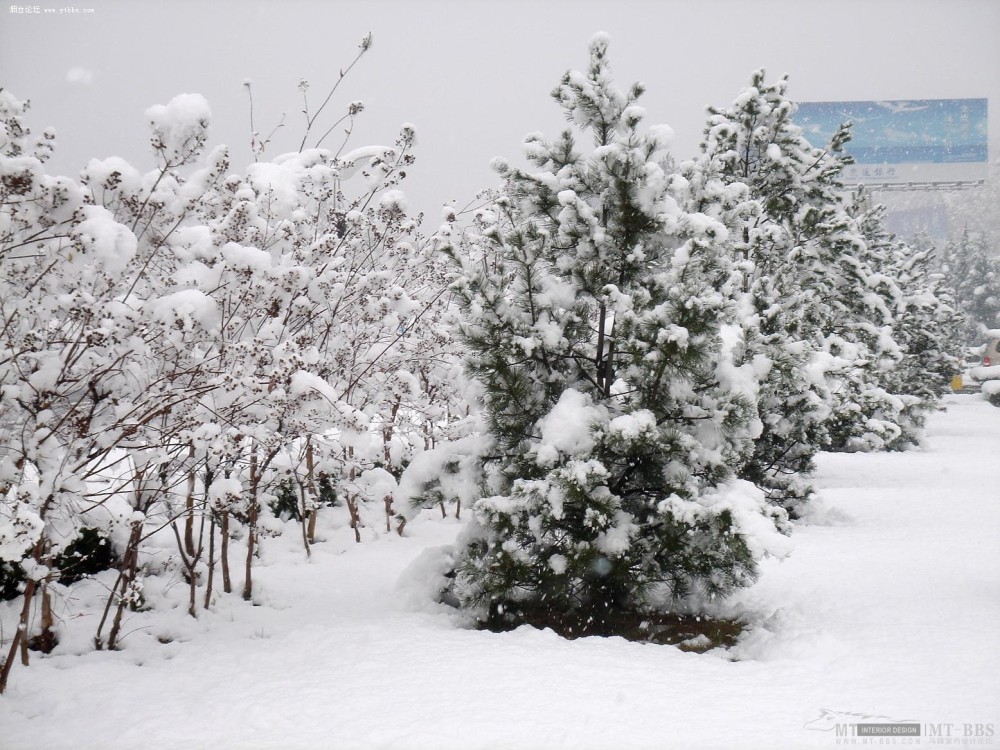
{"type": "Point", "coordinates": [917, 140]}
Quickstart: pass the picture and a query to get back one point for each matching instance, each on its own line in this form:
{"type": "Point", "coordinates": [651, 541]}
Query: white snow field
{"type": "Point", "coordinates": [888, 607]}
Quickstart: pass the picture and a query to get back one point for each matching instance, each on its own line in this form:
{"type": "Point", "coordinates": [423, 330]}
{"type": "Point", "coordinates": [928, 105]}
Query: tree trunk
{"type": "Point", "coordinates": [388, 513]}
{"type": "Point", "coordinates": [98, 641]}
{"type": "Point", "coordinates": [130, 564]}
{"type": "Point", "coordinates": [227, 584]}
{"type": "Point", "coordinates": [211, 561]}
{"type": "Point", "coordinates": [251, 548]}
{"type": "Point", "coordinates": [193, 588]}
{"type": "Point", "coordinates": [251, 526]}
{"type": "Point", "coordinates": [352, 508]}
{"type": "Point", "coordinates": [599, 355]}
{"type": "Point", "coordinates": [306, 515]}
{"type": "Point", "coordinates": [20, 641]}
{"type": "Point", "coordinates": [257, 469]}
{"type": "Point", "coordinates": [47, 639]}
{"type": "Point", "coordinates": [189, 508]}
{"type": "Point", "coordinates": [388, 430]}
{"type": "Point", "coordinates": [312, 493]}
{"type": "Point", "coordinates": [311, 530]}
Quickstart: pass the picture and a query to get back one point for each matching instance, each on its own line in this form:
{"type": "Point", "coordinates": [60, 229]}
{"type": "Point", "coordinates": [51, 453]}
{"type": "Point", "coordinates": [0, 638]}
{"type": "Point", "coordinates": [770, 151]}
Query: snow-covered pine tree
{"type": "Point", "coordinates": [595, 311]}
{"type": "Point", "coordinates": [926, 325]}
{"type": "Point", "coordinates": [823, 311]}
{"type": "Point", "coordinates": [755, 143]}
{"type": "Point", "coordinates": [867, 416]}
{"type": "Point", "coordinates": [972, 269]}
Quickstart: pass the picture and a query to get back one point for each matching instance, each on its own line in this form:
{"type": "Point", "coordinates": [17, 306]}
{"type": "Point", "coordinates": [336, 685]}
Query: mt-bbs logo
{"type": "Point", "coordinates": [850, 724]}
{"type": "Point", "coordinates": [845, 723]}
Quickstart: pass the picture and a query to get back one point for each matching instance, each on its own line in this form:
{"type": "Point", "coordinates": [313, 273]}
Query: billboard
{"type": "Point", "coordinates": [917, 141]}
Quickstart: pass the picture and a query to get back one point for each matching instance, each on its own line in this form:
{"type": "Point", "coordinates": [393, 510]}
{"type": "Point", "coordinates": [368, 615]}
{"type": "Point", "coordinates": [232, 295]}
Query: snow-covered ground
{"type": "Point", "coordinates": [888, 606]}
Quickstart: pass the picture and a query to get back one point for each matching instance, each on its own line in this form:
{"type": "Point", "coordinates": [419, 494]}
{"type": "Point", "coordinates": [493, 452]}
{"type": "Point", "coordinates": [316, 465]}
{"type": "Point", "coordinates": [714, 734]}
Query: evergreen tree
{"type": "Point", "coordinates": [595, 323]}
{"type": "Point", "coordinates": [867, 416]}
{"type": "Point", "coordinates": [754, 143]}
{"type": "Point", "coordinates": [973, 271]}
{"type": "Point", "coordinates": [925, 326]}
{"type": "Point", "coordinates": [823, 306]}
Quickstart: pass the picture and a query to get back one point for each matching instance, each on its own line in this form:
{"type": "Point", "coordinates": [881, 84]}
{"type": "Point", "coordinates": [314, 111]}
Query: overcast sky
{"type": "Point", "coordinates": [473, 76]}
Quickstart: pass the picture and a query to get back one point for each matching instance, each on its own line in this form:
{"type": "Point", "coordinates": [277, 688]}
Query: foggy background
{"type": "Point", "coordinates": [474, 77]}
